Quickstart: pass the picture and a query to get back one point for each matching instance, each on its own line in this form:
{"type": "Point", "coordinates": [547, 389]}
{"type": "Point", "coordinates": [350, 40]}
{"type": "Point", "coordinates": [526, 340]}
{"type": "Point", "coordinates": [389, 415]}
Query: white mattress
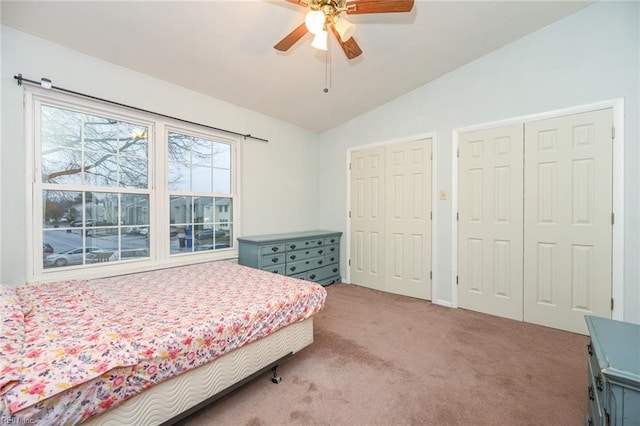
{"type": "Point", "coordinates": [172, 397]}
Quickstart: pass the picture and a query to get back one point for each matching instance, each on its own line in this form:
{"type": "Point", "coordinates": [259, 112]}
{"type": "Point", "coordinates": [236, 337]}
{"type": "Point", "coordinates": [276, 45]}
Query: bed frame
{"type": "Point", "coordinates": [181, 396]}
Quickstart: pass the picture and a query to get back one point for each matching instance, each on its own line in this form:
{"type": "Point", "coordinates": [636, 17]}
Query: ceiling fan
{"type": "Point", "coordinates": [328, 15]}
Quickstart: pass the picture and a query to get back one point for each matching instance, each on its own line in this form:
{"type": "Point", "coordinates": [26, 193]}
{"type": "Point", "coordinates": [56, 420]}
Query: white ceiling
{"type": "Point", "coordinates": [225, 48]}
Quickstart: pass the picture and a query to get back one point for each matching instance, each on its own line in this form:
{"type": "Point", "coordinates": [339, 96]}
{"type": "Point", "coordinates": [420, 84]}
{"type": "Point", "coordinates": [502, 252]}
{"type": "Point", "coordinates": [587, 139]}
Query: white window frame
{"type": "Point", "coordinates": [159, 126]}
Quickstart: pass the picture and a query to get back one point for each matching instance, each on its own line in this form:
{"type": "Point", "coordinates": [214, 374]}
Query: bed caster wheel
{"type": "Point", "coordinates": [274, 376]}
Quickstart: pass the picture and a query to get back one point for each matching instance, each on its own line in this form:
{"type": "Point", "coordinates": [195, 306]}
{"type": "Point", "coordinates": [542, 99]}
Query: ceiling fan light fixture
{"type": "Point", "coordinates": [344, 28]}
{"type": "Point", "coordinates": [314, 21]}
{"type": "Point", "coordinates": [320, 40]}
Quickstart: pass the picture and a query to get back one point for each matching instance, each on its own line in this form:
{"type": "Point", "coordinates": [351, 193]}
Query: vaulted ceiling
{"type": "Point", "coordinates": [225, 48]}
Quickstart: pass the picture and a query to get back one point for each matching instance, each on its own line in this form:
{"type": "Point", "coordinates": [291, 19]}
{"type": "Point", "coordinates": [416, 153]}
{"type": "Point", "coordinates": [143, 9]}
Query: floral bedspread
{"type": "Point", "coordinates": [72, 349]}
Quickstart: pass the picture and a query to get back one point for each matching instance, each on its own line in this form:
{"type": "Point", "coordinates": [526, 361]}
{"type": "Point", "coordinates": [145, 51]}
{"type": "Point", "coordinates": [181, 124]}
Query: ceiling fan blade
{"type": "Point", "coordinates": [356, 7]}
{"type": "Point", "coordinates": [350, 47]}
{"type": "Point", "coordinates": [302, 3]}
{"type": "Point", "coordinates": [291, 38]}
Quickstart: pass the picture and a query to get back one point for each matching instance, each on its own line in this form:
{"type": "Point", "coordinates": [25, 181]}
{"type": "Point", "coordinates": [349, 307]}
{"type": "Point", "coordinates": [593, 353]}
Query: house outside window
{"type": "Point", "coordinates": [115, 189]}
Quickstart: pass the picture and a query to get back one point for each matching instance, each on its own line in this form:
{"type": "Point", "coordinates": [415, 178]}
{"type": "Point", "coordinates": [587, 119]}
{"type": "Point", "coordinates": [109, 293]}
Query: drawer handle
{"type": "Point", "coordinates": [590, 349]}
{"type": "Point", "coordinates": [320, 251]}
{"type": "Point", "coordinates": [592, 395]}
{"type": "Point", "coordinates": [275, 271]}
{"type": "Point", "coordinates": [319, 243]}
{"type": "Point", "coordinates": [312, 276]}
{"type": "Point", "coordinates": [292, 246]}
{"type": "Point", "coordinates": [293, 256]}
{"type": "Point", "coordinates": [332, 249]}
{"type": "Point", "coordinates": [335, 269]}
{"type": "Point", "coordinates": [274, 248]}
{"type": "Point", "coordinates": [599, 384]}
{"type": "Point", "coordinates": [320, 262]}
{"type": "Point", "coordinates": [274, 259]}
{"type": "Point", "coordinates": [332, 240]}
{"type": "Point", "coordinates": [293, 268]}
{"type": "Point", "coordinates": [331, 259]}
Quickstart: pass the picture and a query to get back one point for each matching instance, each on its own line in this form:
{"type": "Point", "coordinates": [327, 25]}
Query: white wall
{"type": "Point", "coordinates": [279, 178]}
{"type": "Point", "coordinates": [588, 57]}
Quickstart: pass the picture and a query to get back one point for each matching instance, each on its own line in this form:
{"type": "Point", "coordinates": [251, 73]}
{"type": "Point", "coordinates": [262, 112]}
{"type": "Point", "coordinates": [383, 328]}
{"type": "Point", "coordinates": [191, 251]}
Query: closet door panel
{"type": "Point", "coordinates": [567, 220]}
{"type": "Point", "coordinates": [367, 218]}
{"type": "Point", "coordinates": [490, 221]}
{"type": "Point", "coordinates": [408, 222]}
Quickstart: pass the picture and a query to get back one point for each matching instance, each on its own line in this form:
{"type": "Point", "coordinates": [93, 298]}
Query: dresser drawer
{"type": "Point", "coordinates": [331, 240]}
{"type": "Point", "coordinates": [305, 244]}
{"type": "Point", "coordinates": [272, 248]}
{"type": "Point", "coordinates": [332, 249]}
{"type": "Point", "coordinates": [305, 254]}
{"type": "Point", "coordinates": [595, 389]}
{"type": "Point", "coordinates": [323, 273]}
{"type": "Point", "coordinates": [593, 418]}
{"type": "Point", "coordinates": [276, 269]}
{"type": "Point", "coordinates": [304, 265]}
{"type": "Point", "coordinates": [330, 259]}
{"type": "Point", "coordinates": [273, 259]}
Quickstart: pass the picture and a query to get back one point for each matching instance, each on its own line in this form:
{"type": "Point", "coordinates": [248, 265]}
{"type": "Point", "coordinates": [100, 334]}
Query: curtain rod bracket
{"type": "Point", "coordinates": [45, 83]}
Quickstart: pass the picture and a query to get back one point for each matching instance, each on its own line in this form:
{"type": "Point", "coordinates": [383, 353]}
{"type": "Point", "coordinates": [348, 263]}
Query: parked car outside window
{"type": "Point", "coordinates": [66, 258]}
{"type": "Point", "coordinates": [46, 249]}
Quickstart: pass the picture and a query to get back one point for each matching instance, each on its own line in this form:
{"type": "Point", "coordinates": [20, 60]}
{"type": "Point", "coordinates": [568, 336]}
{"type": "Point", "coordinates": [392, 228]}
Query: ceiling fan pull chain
{"type": "Point", "coordinates": [327, 68]}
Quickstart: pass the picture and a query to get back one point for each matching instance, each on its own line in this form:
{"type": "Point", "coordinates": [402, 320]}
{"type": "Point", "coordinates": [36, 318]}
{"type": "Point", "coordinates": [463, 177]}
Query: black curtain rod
{"type": "Point", "coordinates": [46, 83]}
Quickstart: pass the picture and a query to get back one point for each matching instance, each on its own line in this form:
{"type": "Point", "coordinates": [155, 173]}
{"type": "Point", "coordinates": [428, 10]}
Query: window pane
{"type": "Point", "coordinates": [109, 152]}
{"type": "Point", "coordinates": [180, 210]}
{"type": "Point", "coordinates": [203, 209]}
{"type": "Point", "coordinates": [101, 209]}
{"type": "Point", "coordinates": [201, 179]}
{"type": "Point", "coordinates": [58, 245]}
{"type": "Point", "coordinates": [222, 155]}
{"type": "Point", "coordinates": [221, 180]}
{"type": "Point", "coordinates": [179, 147]}
{"type": "Point", "coordinates": [134, 209]}
{"type": "Point", "coordinates": [133, 172]}
{"type": "Point", "coordinates": [61, 208]}
{"type": "Point", "coordinates": [61, 166]}
{"type": "Point", "coordinates": [179, 177]}
{"type": "Point", "coordinates": [103, 239]}
{"type": "Point", "coordinates": [202, 152]}
{"type": "Point", "coordinates": [100, 169]}
{"type": "Point", "coordinates": [100, 134]}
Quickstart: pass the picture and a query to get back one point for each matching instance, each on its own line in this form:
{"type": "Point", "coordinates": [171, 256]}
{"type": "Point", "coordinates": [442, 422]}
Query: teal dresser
{"type": "Point", "coordinates": [614, 373]}
{"type": "Point", "coordinates": [310, 255]}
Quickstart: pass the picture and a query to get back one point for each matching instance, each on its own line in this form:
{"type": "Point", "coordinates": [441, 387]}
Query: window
{"type": "Point", "coordinates": [199, 167]}
{"type": "Point", "coordinates": [111, 181]}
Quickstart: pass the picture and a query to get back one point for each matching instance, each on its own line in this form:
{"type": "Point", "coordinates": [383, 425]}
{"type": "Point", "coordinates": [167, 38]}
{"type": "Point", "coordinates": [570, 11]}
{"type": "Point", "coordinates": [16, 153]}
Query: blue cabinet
{"type": "Point", "coordinates": [310, 255]}
{"type": "Point", "coordinates": [614, 373]}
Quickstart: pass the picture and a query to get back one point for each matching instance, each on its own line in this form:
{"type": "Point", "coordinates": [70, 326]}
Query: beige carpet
{"type": "Point", "coordinates": [382, 359]}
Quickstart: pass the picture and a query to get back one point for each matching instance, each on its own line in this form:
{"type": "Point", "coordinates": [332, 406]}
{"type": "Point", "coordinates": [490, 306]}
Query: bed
{"type": "Point", "coordinates": [146, 348]}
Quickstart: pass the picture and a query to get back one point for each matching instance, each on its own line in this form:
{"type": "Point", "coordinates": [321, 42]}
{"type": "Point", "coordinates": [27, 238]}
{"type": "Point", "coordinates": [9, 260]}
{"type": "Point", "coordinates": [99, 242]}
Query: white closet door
{"type": "Point", "coordinates": [567, 221]}
{"type": "Point", "coordinates": [408, 218]}
{"type": "Point", "coordinates": [490, 221]}
{"type": "Point", "coordinates": [367, 218]}
{"type": "Point", "coordinates": [391, 218]}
